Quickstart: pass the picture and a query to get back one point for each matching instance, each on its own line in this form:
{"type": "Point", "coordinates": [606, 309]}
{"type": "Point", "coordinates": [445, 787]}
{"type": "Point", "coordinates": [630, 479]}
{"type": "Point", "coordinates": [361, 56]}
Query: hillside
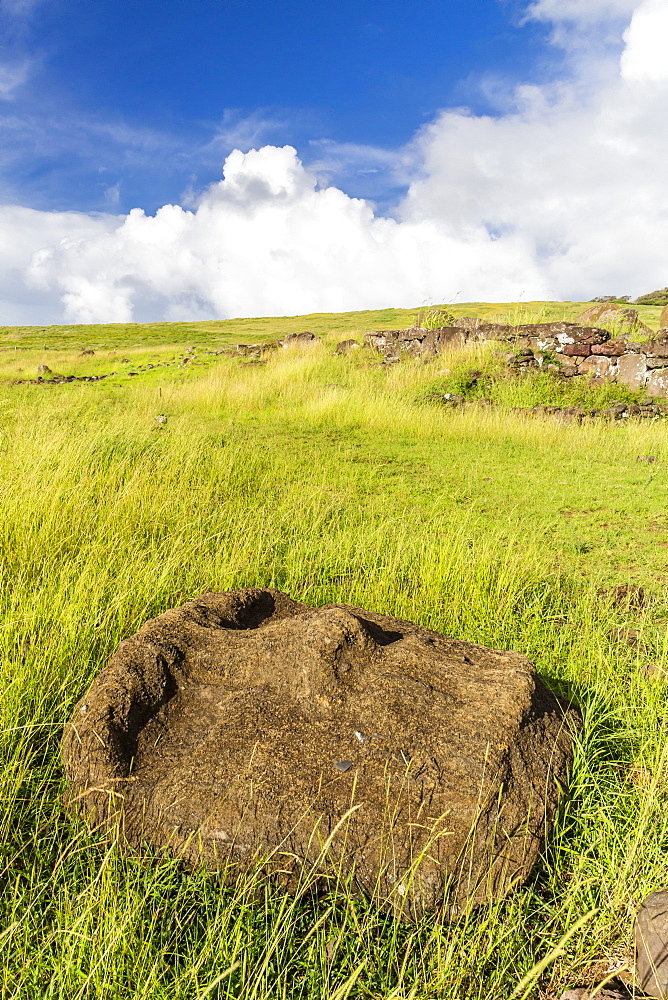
{"type": "Point", "coordinates": [334, 479]}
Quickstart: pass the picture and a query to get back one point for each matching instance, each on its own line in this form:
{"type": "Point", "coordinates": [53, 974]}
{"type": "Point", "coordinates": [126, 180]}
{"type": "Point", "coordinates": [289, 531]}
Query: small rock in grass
{"type": "Point", "coordinates": [651, 940]}
{"type": "Point", "coordinates": [625, 636]}
{"type": "Point", "coordinates": [625, 595]}
{"type": "Point", "coordinates": [607, 993]}
{"type": "Point", "coordinates": [654, 670]}
{"type": "Point", "coordinates": [44, 370]}
{"type": "Point", "coordinates": [161, 420]}
{"type": "Point", "coordinates": [346, 346]}
{"type": "Point", "coordinates": [614, 989]}
{"type": "Point", "coordinates": [86, 352]}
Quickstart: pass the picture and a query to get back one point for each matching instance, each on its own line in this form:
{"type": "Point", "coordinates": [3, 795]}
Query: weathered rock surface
{"type": "Point", "coordinates": [625, 319]}
{"type": "Point", "coordinates": [347, 346]}
{"type": "Point", "coordinates": [616, 990]}
{"type": "Point", "coordinates": [651, 939]}
{"type": "Point", "coordinates": [246, 723]}
{"type": "Point", "coordinates": [303, 339]}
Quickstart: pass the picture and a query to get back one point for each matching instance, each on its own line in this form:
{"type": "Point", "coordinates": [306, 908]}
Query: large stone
{"type": "Point", "coordinates": [444, 337]}
{"type": "Point", "coordinates": [347, 346]}
{"type": "Point", "coordinates": [663, 318]}
{"type": "Point", "coordinates": [416, 340]}
{"type": "Point", "coordinates": [632, 370]}
{"type": "Point", "coordinates": [594, 365]}
{"type": "Point", "coordinates": [299, 339]}
{"type": "Point", "coordinates": [480, 329]}
{"type": "Point", "coordinates": [656, 383]}
{"type": "Point", "coordinates": [626, 319]}
{"type": "Point", "coordinates": [615, 348]}
{"type": "Point", "coordinates": [246, 726]}
{"type": "Point", "coordinates": [560, 333]}
{"type": "Point", "coordinates": [602, 313]}
{"type": "Point", "coordinates": [656, 348]}
{"type": "Point", "coordinates": [651, 939]}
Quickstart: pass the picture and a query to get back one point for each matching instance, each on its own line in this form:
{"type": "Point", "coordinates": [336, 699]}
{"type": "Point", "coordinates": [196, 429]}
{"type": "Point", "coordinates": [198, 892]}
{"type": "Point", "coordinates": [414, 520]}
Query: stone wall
{"type": "Point", "coordinates": [568, 350]}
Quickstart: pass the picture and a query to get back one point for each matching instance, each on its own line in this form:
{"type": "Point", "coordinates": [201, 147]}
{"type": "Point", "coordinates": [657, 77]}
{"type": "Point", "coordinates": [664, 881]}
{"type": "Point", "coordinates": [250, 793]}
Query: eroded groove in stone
{"type": "Point", "coordinates": [221, 730]}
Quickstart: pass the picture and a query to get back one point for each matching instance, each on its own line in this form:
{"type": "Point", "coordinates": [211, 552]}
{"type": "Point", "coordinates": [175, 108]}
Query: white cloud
{"type": "Point", "coordinates": [646, 54]}
{"type": "Point", "coordinates": [23, 232]}
{"type": "Point", "coordinates": [266, 240]}
{"type": "Point", "coordinates": [562, 196]}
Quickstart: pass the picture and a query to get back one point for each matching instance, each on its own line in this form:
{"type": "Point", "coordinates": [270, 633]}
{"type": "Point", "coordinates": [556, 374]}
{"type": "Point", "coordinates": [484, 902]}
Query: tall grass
{"type": "Point", "coordinates": [330, 480]}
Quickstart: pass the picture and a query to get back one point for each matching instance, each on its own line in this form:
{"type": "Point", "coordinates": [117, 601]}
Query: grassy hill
{"type": "Point", "coordinates": [333, 479]}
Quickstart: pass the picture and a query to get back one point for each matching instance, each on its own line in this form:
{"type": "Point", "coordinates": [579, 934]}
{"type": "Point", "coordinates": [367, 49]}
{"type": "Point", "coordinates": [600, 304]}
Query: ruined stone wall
{"type": "Point", "coordinates": [566, 349]}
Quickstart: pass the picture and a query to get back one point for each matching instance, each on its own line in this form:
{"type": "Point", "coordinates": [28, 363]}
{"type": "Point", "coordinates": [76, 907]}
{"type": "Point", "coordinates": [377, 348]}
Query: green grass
{"type": "Point", "coordinates": [332, 479]}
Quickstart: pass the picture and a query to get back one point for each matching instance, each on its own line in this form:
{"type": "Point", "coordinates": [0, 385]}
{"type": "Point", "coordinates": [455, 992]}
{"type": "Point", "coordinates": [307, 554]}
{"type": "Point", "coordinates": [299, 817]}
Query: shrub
{"type": "Point", "coordinates": [434, 318]}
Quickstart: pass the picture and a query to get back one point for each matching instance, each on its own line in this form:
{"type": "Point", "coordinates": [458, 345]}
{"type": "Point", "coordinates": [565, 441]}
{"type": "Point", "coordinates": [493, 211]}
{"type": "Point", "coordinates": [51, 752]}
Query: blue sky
{"type": "Point", "coordinates": [133, 104]}
{"type": "Point", "coordinates": [217, 158]}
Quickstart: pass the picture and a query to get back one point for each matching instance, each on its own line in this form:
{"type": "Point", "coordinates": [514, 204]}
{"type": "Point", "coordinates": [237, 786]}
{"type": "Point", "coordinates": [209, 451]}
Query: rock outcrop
{"type": "Point", "coordinates": [246, 726]}
{"type": "Point", "coordinates": [566, 349]}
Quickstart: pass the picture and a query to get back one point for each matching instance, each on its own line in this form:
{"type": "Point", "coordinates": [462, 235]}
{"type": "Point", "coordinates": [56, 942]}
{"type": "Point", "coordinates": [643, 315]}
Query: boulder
{"type": "Point", "coordinates": [614, 348]}
{"type": "Point", "coordinates": [613, 314]}
{"type": "Point", "coordinates": [656, 383]}
{"type": "Point", "coordinates": [596, 365]}
{"type": "Point", "coordinates": [304, 339]}
{"type": "Point", "coordinates": [381, 340]}
{"type": "Point", "coordinates": [651, 940]}
{"type": "Point", "coordinates": [655, 348]}
{"type": "Point", "coordinates": [246, 728]}
{"type": "Point", "coordinates": [552, 335]}
{"type": "Point", "coordinates": [347, 346]}
{"type": "Point", "coordinates": [415, 340]}
{"type": "Point", "coordinates": [576, 350]}
{"type": "Point", "coordinates": [663, 318]}
{"type": "Point", "coordinates": [632, 370]}
{"type": "Point", "coordinates": [438, 340]}
{"type": "Point", "coordinates": [480, 329]}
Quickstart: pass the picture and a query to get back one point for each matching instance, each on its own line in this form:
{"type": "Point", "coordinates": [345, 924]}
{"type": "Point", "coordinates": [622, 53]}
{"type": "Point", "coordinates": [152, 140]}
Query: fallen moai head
{"type": "Point", "coordinates": [246, 726]}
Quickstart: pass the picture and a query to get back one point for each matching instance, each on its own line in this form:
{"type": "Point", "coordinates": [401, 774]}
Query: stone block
{"type": "Point", "coordinates": [594, 365]}
{"type": "Point", "coordinates": [657, 382]}
{"type": "Point", "coordinates": [632, 370]}
{"type": "Point", "coordinates": [444, 337]}
{"type": "Point", "coordinates": [614, 348]}
{"type": "Point", "coordinates": [576, 350]}
{"type": "Point", "coordinates": [657, 348]}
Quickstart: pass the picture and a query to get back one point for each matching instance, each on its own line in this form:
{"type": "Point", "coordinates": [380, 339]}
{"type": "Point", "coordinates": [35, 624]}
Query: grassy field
{"type": "Point", "coordinates": [335, 480]}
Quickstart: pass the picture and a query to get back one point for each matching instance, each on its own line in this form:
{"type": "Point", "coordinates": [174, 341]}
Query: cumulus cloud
{"type": "Point", "coordinates": [23, 234]}
{"type": "Point", "coordinates": [562, 196]}
{"type": "Point", "coordinates": [645, 57]}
